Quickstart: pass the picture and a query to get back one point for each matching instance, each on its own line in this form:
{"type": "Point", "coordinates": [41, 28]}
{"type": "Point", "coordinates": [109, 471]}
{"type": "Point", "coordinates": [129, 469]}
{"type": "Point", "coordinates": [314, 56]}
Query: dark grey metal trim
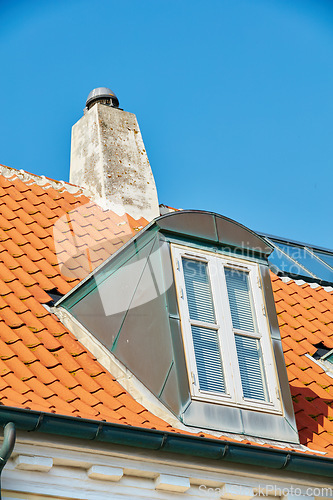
{"type": "Point", "coordinates": [294, 242]}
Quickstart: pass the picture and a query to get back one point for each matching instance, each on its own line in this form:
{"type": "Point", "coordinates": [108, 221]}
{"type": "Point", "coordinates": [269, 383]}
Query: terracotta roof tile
{"type": "Point", "coordinates": [38, 293]}
{"type": "Point", "coordinates": [53, 325]}
{"type": "Point", "coordinates": [133, 417]}
{"type": "Point", "coordinates": [114, 389]}
{"type": "Point", "coordinates": [126, 400]}
{"type": "Point", "coordinates": [33, 305]}
{"type": "Point", "coordinates": [16, 397]}
{"type": "Point", "coordinates": [5, 351]}
{"type": "Point", "coordinates": [27, 336]}
{"type": "Point", "coordinates": [292, 358]}
{"type": "Point", "coordinates": [22, 352]}
{"type": "Point", "coordinates": [41, 372]}
{"type": "Point", "coordinates": [294, 346]}
{"type": "Point", "coordinates": [48, 340]}
{"type": "Point", "coordinates": [310, 347]}
{"type": "Point", "coordinates": [323, 332]}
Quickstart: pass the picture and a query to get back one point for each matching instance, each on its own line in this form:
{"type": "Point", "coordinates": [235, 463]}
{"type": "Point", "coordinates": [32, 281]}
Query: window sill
{"type": "Point", "coordinates": [226, 400]}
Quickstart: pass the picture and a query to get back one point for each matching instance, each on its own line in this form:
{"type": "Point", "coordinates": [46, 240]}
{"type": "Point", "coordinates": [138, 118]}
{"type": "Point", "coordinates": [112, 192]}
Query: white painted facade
{"type": "Point", "coordinates": [48, 467]}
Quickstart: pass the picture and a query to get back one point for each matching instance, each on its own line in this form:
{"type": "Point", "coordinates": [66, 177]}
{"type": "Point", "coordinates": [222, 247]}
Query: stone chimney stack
{"type": "Point", "coordinates": [108, 158]}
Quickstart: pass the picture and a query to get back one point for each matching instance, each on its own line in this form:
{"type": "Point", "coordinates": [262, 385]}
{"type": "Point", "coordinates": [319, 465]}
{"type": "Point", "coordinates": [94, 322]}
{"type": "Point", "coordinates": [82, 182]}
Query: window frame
{"type": "Point", "coordinates": [216, 263]}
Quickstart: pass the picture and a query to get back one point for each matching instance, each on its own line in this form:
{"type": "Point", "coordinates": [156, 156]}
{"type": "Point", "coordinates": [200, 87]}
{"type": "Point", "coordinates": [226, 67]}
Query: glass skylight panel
{"type": "Point", "coordinates": [239, 299]}
{"type": "Point", "coordinates": [308, 260]}
{"type": "Point", "coordinates": [298, 254]}
{"type": "Point", "coordinates": [286, 264]}
{"type": "Point", "coordinates": [326, 257]}
{"type": "Point", "coordinates": [251, 367]}
{"type": "Point", "coordinates": [319, 269]}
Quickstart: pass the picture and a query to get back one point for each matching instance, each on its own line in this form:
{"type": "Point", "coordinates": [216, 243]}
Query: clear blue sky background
{"type": "Point", "coordinates": [234, 98]}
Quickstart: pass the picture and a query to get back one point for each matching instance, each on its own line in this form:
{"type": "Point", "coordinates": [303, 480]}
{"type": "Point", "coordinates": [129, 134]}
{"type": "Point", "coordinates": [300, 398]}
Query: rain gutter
{"type": "Point", "coordinates": [151, 439]}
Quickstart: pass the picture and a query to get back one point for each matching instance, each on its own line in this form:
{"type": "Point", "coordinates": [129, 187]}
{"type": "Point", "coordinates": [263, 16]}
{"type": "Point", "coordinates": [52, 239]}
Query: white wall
{"type": "Point", "coordinates": [74, 470]}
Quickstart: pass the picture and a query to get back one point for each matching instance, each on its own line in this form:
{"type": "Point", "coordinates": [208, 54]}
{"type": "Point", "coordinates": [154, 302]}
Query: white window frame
{"type": "Point", "coordinates": [226, 332]}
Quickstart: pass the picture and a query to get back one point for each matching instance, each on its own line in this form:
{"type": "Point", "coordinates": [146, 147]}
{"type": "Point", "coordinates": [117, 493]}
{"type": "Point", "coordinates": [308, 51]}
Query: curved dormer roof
{"type": "Point", "coordinates": [215, 228]}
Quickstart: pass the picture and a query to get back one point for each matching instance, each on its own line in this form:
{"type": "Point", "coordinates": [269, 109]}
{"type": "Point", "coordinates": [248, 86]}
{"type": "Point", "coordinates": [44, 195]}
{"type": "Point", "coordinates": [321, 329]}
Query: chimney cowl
{"type": "Point", "coordinates": [104, 95]}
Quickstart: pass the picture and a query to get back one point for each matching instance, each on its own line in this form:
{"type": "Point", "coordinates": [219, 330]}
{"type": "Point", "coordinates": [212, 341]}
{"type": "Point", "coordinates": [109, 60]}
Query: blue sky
{"type": "Point", "coordinates": [234, 99]}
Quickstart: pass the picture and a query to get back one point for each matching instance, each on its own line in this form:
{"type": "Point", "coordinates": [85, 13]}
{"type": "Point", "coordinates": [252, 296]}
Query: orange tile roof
{"type": "Point", "coordinates": [305, 320]}
{"type": "Point", "coordinates": [52, 236]}
{"type": "Point", "coordinates": [49, 240]}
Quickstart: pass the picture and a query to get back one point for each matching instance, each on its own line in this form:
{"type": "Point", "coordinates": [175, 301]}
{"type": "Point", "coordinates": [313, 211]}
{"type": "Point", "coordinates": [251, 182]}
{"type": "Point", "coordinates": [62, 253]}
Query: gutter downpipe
{"type": "Point", "coordinates": [215, 449]}
{"type": "Point", "coordinates": [7, 446]}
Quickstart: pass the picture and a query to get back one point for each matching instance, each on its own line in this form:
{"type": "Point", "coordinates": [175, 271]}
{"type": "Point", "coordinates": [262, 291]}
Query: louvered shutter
{"type": "Point", "coordinates": [205, 340]}
{"type": "Point", "coordinates": [239, 299]}
{"type": "Point", "coordinates": [198, 291]}
{"type": "Point", "coordinates": [248, 348]}
{"type": "Point", "coordinates": [251, 367]}
{"type": "Point", "coordinates": [208, 359]}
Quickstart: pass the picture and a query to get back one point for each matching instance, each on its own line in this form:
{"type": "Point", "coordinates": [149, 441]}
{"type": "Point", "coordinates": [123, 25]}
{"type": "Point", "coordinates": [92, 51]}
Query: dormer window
{"type": "Point", "coordinates": [187, 307]}
{"type": "Point", "coordinates": [225, 331]}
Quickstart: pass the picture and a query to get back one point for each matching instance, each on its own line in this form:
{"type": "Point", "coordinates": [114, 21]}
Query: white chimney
{"type": "Point", "coordinates": [108, 158]}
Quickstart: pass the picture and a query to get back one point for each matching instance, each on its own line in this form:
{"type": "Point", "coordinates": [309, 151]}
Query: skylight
{"type": "Point", "coordinates": [300, 260]}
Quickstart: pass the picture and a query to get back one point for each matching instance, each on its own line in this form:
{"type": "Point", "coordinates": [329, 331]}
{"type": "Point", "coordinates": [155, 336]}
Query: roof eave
{"type": "Point", "coordinates": [215, 449]}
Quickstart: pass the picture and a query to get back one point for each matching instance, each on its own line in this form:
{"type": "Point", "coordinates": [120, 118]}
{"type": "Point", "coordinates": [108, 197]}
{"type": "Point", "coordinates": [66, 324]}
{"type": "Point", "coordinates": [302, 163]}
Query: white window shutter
{"type": "Point", "coordinates": [251, 367]}
{"type": "Point", "coordinates": [239, 299]}
{"type": "Point", "coordinates": [208, 359]}
{"type": "Point", "coordinates": [205, 340]}
{"type": "Point", "coordinates": [198, 291]}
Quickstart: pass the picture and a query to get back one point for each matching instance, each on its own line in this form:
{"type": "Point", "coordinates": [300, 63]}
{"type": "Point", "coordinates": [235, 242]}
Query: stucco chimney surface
{"type": "Point", "coordinates": [108, 157]}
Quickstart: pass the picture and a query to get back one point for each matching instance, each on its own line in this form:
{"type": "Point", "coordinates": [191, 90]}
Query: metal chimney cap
{"type": "Point", "coordinates": [102, 93]}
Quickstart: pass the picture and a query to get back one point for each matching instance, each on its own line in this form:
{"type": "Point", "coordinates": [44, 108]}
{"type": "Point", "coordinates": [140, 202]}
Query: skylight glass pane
{"type": "Point", "coordinates": [239, 299]}
{"type": "Point", "coordinates": [286, 264]}
{"type": "Point", "coordinates": [326, 257]}
{"type": "Point", "coordinates": [208, 359]}
{"type": "Point", "coordinates": [307, 260]}
{"type": "Point", "coordinates": [251, 367]}
{"type": "Point", "coordinates": [198, 291]}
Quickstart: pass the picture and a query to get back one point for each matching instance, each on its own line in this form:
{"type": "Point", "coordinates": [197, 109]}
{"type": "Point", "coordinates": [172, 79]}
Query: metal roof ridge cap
{"type": "Point", "coordinates": [225, 450]}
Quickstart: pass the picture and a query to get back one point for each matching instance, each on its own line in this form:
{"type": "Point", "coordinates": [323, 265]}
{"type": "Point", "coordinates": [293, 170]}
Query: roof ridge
{"type": "Point", "coordinates": [77, 191]}
{"type": "Point", "coordinates": [43, 181]}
